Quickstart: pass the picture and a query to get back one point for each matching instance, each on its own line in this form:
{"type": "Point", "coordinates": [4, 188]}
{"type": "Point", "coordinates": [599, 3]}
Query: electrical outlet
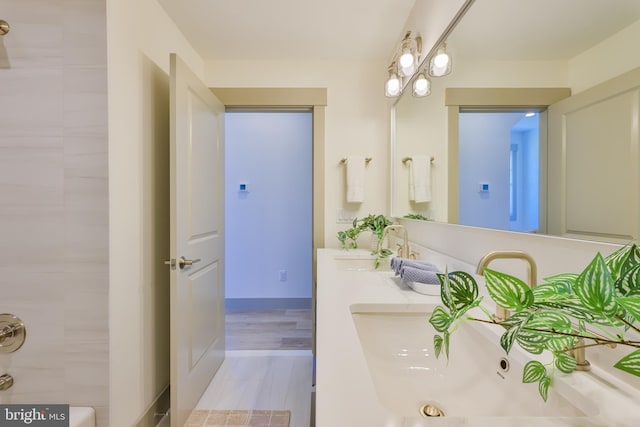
{"type": "Point", "coordinates": [283, 275]}
{"type": "Point", "coordinates": [345, 216]}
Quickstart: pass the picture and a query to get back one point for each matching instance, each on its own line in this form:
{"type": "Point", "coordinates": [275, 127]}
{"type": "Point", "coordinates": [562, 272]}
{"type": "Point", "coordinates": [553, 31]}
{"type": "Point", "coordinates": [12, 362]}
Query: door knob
{"type": "Point", "coordinates": [184, 262]}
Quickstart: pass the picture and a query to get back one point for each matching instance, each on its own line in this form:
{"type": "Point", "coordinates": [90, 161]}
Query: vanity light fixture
{"type": "Point", "coordinates": [404, 64]}
{"type": "Point", "coordinates": [421, 85]}
{"type": "Point", "coordinates": [393, 86]}
{"type": "Point", "coordinates": [440, 63]}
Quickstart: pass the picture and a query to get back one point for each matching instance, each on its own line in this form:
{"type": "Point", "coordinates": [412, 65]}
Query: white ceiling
{"type": "Point", "coordinates": [371, 29]}
{"type": "Point", "coordinates": [538, 29]}
{"type": "Point", "coordinates": [291, 29]}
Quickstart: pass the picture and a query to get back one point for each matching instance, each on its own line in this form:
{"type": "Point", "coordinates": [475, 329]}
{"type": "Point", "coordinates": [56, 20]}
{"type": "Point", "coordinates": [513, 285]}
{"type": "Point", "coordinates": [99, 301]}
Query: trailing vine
{"type": "Point", "coordinates": [558, 316]}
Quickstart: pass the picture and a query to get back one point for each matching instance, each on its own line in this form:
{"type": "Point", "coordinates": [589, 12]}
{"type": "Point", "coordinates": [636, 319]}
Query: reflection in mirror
{"type": "Point", "coordinates": [577, 45]}
{"type": "Point", "coordinates": [499, 163]}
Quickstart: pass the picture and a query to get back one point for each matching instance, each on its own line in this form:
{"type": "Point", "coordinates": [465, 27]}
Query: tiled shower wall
{"type": "Point", "coordinates": [54, 200]}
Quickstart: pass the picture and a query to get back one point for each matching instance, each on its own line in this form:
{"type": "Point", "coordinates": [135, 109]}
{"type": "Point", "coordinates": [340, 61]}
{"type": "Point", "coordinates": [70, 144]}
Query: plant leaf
{"type": "Point", "coordinates": [440, 319]}
{"type": "Point", "coordinates": [632, 305]}
{"type": "Point", "coordinates": [560, 343]}
{"type": "Point", "coordinates": [447, 335]}
{"type": "Point", "coordinates": [629, 281]}
{"type": "Point", "coordinates": [622, 260]}
{"type": "Point", "coordinates": [463, 290]}
{"type": "Point", "coordinates": [445, 291]}
{"type": "Point", "coordinates": [531, 342]}
{"type": "Point", "coordinates": [630, 363]}
{"type": "Point", "coordinates": [576, 310]}
{"type": "Point", "coordinates": [552, 291]}
{"type": "Point", "coordinates": [437, 345]}
{"type": "Point", "coordinates": [564, 362]}
{"type": "Point", "coordinates": [548, 322]}
{"type": "Point", "coordinates": [533, 371]}
{"type": "Point", "coordinates": [568, 278]}
{"type": "Point", "coordinates": [543, 387]}
{"type": "Point", "coordinates": [508, 291]}
{"type": "Point", "coordinates": [508, 338]}
{"type": "Point", "coordinates": [595, 288]}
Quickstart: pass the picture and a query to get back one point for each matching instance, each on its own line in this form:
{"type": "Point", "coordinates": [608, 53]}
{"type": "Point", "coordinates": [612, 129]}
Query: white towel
{"type": "Point", "coordinates": [355, 179]}
{"type": "Point", "coordinates": [420, 179]}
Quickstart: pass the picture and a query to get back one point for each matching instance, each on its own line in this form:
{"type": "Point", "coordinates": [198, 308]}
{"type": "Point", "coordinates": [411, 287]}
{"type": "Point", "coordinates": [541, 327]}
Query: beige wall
{"type": "Point", "coordinates": [613, 57]}
{"type": "Point", "coordinates": [140, 37]}
{"type": "Point", "coordinates": [356, 120]}
{"type": "Point", "coordinates": [54, 201]}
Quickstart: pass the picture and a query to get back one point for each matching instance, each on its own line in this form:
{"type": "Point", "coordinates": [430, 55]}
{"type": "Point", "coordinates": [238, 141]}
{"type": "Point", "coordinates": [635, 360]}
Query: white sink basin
{"type": "Point", "coordinates": [398, 347]}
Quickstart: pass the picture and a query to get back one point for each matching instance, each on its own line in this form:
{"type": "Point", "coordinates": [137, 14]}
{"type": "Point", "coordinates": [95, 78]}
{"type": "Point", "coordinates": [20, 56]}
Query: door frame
{"type": "Point", "coordinates": [314, 99]}
{"type": "Point", "coordinates": [456, 99]}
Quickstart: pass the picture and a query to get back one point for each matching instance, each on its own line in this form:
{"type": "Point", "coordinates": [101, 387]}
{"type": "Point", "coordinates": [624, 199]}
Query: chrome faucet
{"type": "Point", "coordinates": [501, 312]}
{"type": "Point", "coordinates": [403, 250]}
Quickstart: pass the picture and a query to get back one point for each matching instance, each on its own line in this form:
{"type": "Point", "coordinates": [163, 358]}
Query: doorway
{"type": "Point", "coordinates": [268, 205]}
{"type": "Point", "coordinates": [497, 99]}
{"type": "Point", "coordinates": [315, 100]}
{"type": "Point", "coordinates": [499, 155]}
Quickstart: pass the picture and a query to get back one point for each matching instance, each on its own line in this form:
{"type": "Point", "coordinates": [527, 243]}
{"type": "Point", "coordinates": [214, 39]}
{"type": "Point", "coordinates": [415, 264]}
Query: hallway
{"type": "Point", "coordinates": [268, 366]}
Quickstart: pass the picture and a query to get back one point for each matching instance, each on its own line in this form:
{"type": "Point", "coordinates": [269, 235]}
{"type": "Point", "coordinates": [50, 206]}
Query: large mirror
{"type": "Point", "coordinates": [539, 54]}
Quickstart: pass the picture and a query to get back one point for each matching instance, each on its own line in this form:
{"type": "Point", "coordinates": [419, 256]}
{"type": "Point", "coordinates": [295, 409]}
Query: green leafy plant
{"type": "Point", "coordinates": [373, 223]}
{"type": "Point", "coordinates": [417, 216]}
{"type": "Point", "coordinates": [558, 316]}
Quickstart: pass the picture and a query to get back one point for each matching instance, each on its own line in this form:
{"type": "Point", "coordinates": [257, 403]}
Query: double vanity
{"type": "Point", "coordinates": [375, 363]}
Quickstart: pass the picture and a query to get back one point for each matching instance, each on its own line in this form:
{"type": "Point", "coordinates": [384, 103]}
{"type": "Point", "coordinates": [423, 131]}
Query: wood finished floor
{"type": "Point", "coordinates": [268, 330]}
{"type": "Point", "coordinates": [274, 380]}
{"type": "Point", "coordinates": [268, 365]}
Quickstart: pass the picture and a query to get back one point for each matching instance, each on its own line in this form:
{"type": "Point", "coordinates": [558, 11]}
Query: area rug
{"type": "Point", "coordinates": [235, 418]}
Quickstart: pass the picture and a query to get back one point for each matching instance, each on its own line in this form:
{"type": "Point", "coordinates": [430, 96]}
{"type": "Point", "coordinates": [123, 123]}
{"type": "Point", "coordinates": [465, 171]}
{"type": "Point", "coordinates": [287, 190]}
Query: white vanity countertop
{"type": "Point", "coordinates": [345, 393]}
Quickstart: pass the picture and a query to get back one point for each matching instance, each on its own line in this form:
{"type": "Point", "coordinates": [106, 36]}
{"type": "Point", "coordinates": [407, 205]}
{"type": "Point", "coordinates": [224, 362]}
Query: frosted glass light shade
{"type": "Point", "coordinates": [440, 64]}
{"type": "Point", "coordinates": [407, 63]}
{"type": "Point", "coordinates": [421, 86]}
{"type": "Point", "coordinates": [393, 86]}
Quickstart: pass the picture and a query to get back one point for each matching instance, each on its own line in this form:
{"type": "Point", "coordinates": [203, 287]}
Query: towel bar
{"type": "Point", "coordinates": [367, 160]}
{"type": "Point", "coordinates": [408, 159]}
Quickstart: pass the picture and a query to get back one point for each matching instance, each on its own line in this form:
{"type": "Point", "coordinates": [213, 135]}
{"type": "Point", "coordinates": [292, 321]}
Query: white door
{"type": "Point", "coordinates": [594, 162]}
{"type": "Point", "coordinates": [197, 226]}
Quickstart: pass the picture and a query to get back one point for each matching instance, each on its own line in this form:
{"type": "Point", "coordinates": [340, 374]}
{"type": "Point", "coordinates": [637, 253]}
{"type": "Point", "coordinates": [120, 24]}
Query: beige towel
{"type": "Point", "coordinates": [420, 179]}
{"type": "Point", "coordinates": [355, 179]}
